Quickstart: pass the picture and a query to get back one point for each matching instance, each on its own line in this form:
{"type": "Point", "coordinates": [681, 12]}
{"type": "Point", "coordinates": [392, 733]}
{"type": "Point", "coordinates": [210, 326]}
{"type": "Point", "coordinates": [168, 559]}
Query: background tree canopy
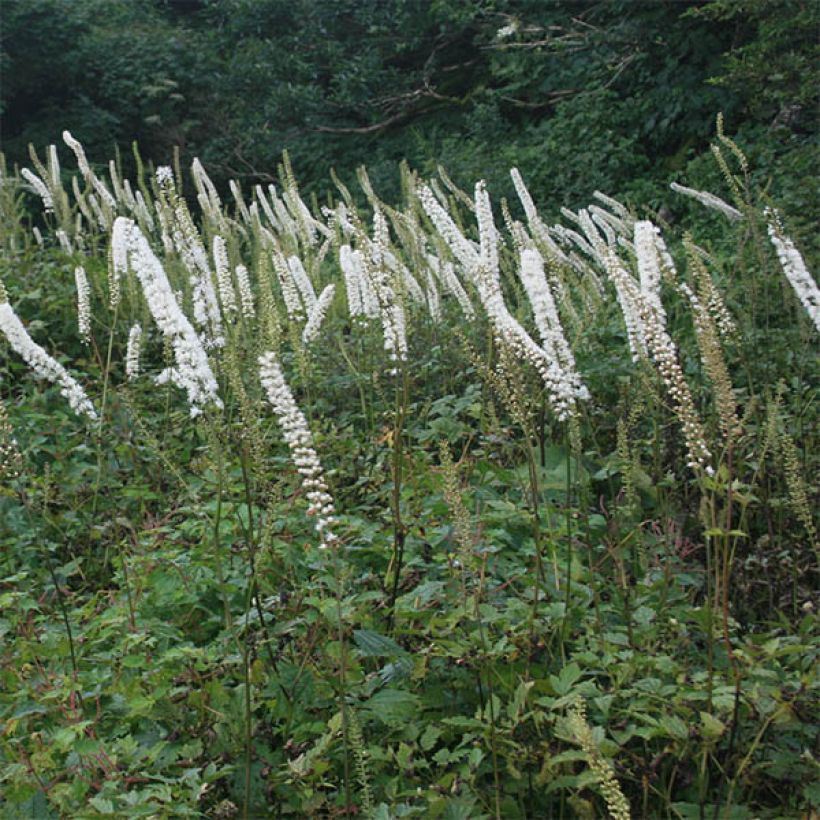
{"type": "Point", "coordinates": [619, 95]}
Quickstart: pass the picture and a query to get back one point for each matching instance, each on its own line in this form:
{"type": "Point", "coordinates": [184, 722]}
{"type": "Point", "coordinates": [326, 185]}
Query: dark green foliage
{"type": "Point", "coordinates": [582, 94]}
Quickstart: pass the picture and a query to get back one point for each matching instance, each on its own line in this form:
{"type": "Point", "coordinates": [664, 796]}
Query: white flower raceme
{"type": "Point", "coordinates": [317, 315]}
{"type": "Point", "coordinates": [192, 371]}
{"type": "Point", "coordinates": [43, 365]}
{"type": "Point", "coordinates": [96, 183]}
{"type": "Point", "coordinates": [711, 201]}
{"type": "Point", "coordinates": [391, 310]}
{"type": "Point", "coordinates": [549, 324]}
{"type": "Point", "coordinates": [83, 303]}
{"type": "Point", "coordinates": [300, 441]}
{"type": "Point", "coordinates": [223, 276]}
{"type": "Point", "coordinates": [132, 352]}
{"type": "Point", "coordinates": [647, 334]}
{"type": "Point", "coordinates": [39, 187]}
{"type": "Point", "coordinates": [240, 200]}
{"type": "Point", "coordinates": [352, 274]}
{"type": "Point", "coordinates": [303, 283]}
{"type": "Point", "coordinates": [649, 263]}
{"type": "Point", "coordinates": [463, 250]}
{"type": "Point", "coordinates": [245, 292]}
{"type": "Point", "coordinates": [77, 148]}
{"type": "Point", "coordinates": [65, 242]}
{"type": "Point", "coordinates": [432, 296]}
{"type": "Point", "coordinates": [192, 252]}
{"type": "Point", "coordinates": [290, 293]}
{"type": "Point", "coordinates": [451, 284]}
{"type": "Point", "coordinates": [794, 267]}
{"type": "Point", "coordinates": [206, 190]}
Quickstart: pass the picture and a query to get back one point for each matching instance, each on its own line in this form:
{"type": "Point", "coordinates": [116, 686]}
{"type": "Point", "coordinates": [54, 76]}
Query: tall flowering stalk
{"type": "Point", "coordinates": [710, 201]}
{"type": "Point", "coordinates": [317, 315]}
{"type": "Point", "coordinates": [192, 371]}
{"type": "Point", "coordinates": [300, 441]}
{"type": "Point", "coordinates": [223, 276]}
{"type": "Point", "coordinates": [83, 303]}
{"type": "Point", "coordinates": [43, 365]}
{"type": "Point", "coordinates": [794, 267]}
{"type": "Point", "coordinates": [132, 352]}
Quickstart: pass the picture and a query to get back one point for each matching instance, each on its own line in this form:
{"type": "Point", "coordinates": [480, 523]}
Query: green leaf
{"type": "Point", "coordinates": [372, 645]}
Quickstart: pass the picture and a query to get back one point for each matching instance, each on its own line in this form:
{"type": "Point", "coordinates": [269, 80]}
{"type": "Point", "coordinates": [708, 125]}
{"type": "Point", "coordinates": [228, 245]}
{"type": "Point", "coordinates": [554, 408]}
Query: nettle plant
{"type": "Point", "coordinates": [542, 467]}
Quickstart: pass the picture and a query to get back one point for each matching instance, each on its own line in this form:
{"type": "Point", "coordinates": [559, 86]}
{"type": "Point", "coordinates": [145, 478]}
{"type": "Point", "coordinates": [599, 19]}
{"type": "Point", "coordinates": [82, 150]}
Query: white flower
{"type": "Point", "coordinates": [223, 276]}
{"type": "Point", "coordinates": [794, 267]}
{"type": "Point", "coordinates": [39, 187]}
{"type": "Point", "coordinates": [245, 292]}
{"type": "Point", "coordinates": [192, 371]}
{"type": "Point", "coordinates": [192, 252]}
{"type": "Point", "coordinates": [290, 293]}
{"type": "Point", "coordinates": [569, 385]}
{"type": "Point", "coordinates": [43, 365]}
{"type": "Point", "coordinates": [649, 263]}
{"type": "Point", "coordinates": [302, 282]}
{"type": "Point", "coordinates": [165, 176]}
{"type": "Point", "coordinates": [317, 315]}
{"type": "Point", "coordinates": [297, 435]}
{"type": "Point", "coordinates": [450, 282]}
{"type": "Point", "coordinates": [352, 274]}
{"type": "Point", "coordinates": [83, 303]}
{"type": "Point", "coordinates": [463, 250]}
{"type": "Point", "coordinates": [711, 201]}
{"type": "Point", "coordinates": [132, 353]}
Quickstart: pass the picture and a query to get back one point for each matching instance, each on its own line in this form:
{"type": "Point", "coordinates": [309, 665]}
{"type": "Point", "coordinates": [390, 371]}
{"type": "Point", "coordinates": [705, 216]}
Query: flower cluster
{"type": "Point", "coordinates": [192, 371]}
{"type": "Point", "coordinates": [794, 267]}
{"type": "Point", "coordinates": [711, 201]}
{"type": "Point", "coordinates": [189, 246]}
{"type": "Point", "coordinates": [556, 347]}
{"type": "Point", "coordinates": [649, 263]}
{"type": "Point", "coordinates": [43, 365]}
{"type": "Point", "coordinates": [132, 352]}
{"type": "Point", "coordinates": [39, 187]}
{"type": "Point", "coordinates": [245, 292]}
{"type": "Point", "coordinates": [317, 315]}
{"type": "Point", "coordinates": [223, 276]}
{"type": "Point", "coordinates": [300, 441]}
{"type": "Point", "coordinates": [83, 303]}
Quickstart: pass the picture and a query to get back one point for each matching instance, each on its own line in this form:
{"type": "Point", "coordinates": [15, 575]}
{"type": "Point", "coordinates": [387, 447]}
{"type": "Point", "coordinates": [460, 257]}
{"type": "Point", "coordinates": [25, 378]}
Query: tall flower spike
{"type": "Point", "coordinates": [223, 276]}
{"type": "Point", "coordinates": [192, 371]}
{"type": "Point", "coordinates": [43, 365]}
{"type": "Point", "coordinates": [132, 352]}
{"type": "Point", "coordinates": [300, 441]}
{"type": "Point", "coordinates": [317, 315]}
{"type": "Point", "coordinates": [714, 203]}
{"type": "Point", "coordinates": [245, 292]}
{"type": "Point", "coordinates": [83, 304]}
{"type": "Point", "coordinates": [463, 250]}
{"type": "Point", "coordinates": [304, 285]}
{"type": "Point", "coordinates": [794, 267]}
{"type": "Point", "coordinates": [649, 263]}
{"type": "Point", "coordinates": [39, 187]}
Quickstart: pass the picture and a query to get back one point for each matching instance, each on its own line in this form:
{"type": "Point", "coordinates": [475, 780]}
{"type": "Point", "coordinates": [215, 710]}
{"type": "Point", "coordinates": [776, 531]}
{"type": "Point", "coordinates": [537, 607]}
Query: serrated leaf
{"type": "Point", "coordinates": [372, 645]}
